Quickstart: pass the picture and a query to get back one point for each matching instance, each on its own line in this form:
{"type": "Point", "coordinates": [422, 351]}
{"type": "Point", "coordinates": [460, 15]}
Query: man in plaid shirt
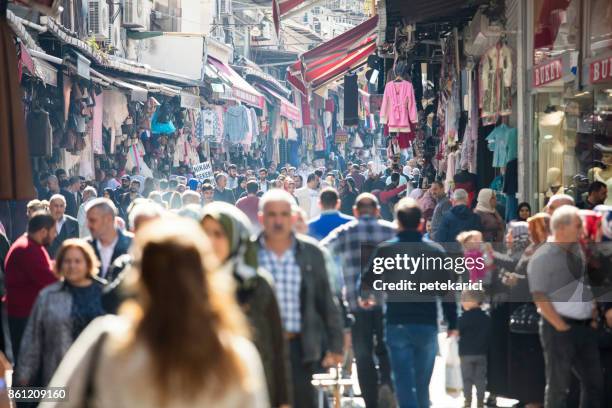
{"type": "Point", "coordinates": [308, 310]}
{"type": "Point", "coordinates": [347, 244]}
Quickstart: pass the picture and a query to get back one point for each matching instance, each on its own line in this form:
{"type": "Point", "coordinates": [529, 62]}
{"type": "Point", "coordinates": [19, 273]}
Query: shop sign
{"type": "Point", "coordinates": [204, 171]}
{"type": "Point", "coordinates": [600, 71]}
{"type": "Point", "coordinates": [190, 101]}
{"type": "Point", "coordinates": [341, 136]}
{"type": "Point", "coordinates": [290, 111]}
{"type": "Point", "coordinates": [548, 72]}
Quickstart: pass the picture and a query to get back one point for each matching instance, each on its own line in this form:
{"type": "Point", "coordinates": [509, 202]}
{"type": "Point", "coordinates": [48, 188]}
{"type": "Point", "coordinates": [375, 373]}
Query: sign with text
{"type": "Point", "coordinates": [204, 171]}
{"type": "Point", "coordinates": [548, 72]}
{"type": "Point", "coordinates": [341, 136]}
{"type": "Point", "coordinates": [600, 70]}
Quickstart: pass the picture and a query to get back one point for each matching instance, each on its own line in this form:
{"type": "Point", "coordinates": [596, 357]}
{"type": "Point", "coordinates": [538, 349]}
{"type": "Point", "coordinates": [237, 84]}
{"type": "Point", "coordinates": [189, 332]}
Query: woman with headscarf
{"type": "Point", "coordinates": [229, 232]}
{"type": "Point", "coordinates": [526, 380]}
{"type": "Point", "coordinates": [523, 211]}
{"type": "Point", "coordinates": [505, 264]}
{"type": "Point", "coordinates": [348, 195]}
{"type": "Point", "coordinates": [493, 225]}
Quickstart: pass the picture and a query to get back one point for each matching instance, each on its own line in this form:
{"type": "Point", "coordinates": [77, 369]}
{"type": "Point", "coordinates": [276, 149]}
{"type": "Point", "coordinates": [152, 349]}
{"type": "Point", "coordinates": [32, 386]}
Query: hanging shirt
{"type": "Point", "coordinates": [502, 141]}
{"type": "Point", "coordinates": [236, 123]}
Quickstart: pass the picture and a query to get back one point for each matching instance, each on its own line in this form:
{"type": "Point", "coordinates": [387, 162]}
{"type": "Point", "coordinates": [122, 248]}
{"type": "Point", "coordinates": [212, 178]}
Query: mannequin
{"type": "Point", "coordinates": [551, 146]}
{"type": "Point", "coordinates": [605, 174]}
{"type": "Point", "coordinates": [554, 184]}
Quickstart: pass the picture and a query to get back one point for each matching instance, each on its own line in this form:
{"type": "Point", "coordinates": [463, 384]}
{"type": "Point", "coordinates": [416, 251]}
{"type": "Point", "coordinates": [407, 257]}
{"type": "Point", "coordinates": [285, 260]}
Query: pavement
{"type": "Point", "coordinates": [437, 388]}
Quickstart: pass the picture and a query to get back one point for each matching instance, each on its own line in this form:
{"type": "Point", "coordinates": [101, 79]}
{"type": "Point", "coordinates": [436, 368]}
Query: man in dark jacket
{"type": "Point", "coordinates": [107, 241]}
{"type": "Point", "coordinates": [310, 316]}
{"type": "Point", "coordinates": [221, 192]}
{"type": "Point", "coordinates": [460, 218]}
{"type": "Point", "coordinates": [411, 316]}
{"type": "Point", "coordinates": [68, 189]}
{"type": "Point", "coordinates": [65, 225]}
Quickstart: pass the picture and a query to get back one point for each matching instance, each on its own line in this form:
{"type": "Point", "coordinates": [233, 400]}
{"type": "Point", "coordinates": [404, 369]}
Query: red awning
{"type": "Point", "coordinates": [287, 108]}
{"type": "Point", "coordinates": [241, 89]}
{"type": "Point", "coordinates": [333, 58]}
{"type": "Point", "coordinates": [282, 7]}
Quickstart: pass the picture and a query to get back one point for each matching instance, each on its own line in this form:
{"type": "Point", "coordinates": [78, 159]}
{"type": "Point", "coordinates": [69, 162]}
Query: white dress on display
{"type": "Point", "coordinates": [550, 145]}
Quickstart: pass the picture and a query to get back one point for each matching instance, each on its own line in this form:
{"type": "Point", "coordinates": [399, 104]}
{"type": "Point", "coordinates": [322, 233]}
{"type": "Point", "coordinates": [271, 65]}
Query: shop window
{"type": "Point", "coordinates": [574, 141]}
{"type": "Point", "coordinates": [600, 27]}
{"type": "Point", "coordinates": [556, 28]}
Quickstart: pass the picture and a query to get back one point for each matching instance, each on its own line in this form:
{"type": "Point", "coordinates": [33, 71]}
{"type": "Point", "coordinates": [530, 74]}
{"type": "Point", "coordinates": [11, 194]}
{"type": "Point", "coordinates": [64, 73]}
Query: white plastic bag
{"type": "Point", "coordinates": [454, 384]}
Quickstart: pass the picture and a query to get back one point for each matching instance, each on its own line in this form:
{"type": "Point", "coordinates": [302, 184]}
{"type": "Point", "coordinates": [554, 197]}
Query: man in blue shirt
{"type": "Point", "coordinates": [330, 217]}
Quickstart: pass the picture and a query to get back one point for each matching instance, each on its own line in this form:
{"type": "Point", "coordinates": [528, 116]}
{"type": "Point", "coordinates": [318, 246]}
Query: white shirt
{"type": "Point", "coordinates": [314, 203]}
{"type": "Point", "coordinates": [106, 254]}
{"type": "Point", "coordinates": [59, 224]}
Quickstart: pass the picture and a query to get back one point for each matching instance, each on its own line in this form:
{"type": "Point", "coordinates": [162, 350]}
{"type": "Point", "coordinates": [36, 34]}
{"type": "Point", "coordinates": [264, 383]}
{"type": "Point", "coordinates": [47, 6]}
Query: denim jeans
{"type": "Point", "coordinates": [412, 349]}
{"type": "Point", "coordinates": [368, 341]}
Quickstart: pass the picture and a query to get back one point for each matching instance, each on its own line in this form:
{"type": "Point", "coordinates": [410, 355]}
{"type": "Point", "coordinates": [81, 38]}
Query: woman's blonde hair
{"type": "Point", "coordinates": [91, 259]}
{"type": "Point", "coordinates": [186, 310]}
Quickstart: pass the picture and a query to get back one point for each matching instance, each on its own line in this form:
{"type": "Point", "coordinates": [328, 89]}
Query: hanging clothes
{"type": "Point", "coordinates": [496, 84]}
{"type": "Point", "coordinates": [351, 99]}
{"type": "Point", "coordinates": [115, 111]}
{"type": "Point", "coordinates": [502, 141]}
{"type": "Point", "coordinates": [40, 133]}
{"type": "Point", "coordinates": [398, 109]}
{"type": "Point", "coordinates": [219, 131]}
{"type": "Point", "coordinates": [255, 123]}
{"type": "Point", "coordinates": [470, 140]}
{"type": "Point", "coordinates": [96, 127]}
{"type": "Point", "coordinates": [236, 124]}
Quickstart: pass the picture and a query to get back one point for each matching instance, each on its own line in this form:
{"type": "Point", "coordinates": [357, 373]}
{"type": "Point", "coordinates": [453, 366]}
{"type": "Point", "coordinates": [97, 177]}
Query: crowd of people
{"type": "Point", "coordinates": [234, 291]}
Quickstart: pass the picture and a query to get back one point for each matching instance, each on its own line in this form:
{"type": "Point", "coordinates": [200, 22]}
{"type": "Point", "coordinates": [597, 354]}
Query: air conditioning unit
{"type": "Point", "coordinates": [480, 35]}
{"type": "Point", "coordinates": [225, 7]}
{"type": "Point", "coordinates": [134, 14]}
{"type": "Point", "coordinates": [99, 24]}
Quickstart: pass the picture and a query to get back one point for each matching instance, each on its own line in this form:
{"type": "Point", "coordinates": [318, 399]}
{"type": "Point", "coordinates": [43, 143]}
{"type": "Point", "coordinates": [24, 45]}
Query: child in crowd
{"type": "Point", "coordinates": [480, 254]}
{"type": "Point", "coordinates": [474, 327]}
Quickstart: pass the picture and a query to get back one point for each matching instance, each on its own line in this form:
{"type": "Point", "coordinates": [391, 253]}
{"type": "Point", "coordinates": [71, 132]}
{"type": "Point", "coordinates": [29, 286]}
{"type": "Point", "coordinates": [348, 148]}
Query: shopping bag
{"type": "Point", "coordinates": [454, 384]}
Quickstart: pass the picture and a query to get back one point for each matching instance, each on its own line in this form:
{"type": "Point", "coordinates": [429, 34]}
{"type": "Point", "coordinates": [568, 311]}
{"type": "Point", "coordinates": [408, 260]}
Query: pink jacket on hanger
{"type": "Point", "coordinates": [398, 107]}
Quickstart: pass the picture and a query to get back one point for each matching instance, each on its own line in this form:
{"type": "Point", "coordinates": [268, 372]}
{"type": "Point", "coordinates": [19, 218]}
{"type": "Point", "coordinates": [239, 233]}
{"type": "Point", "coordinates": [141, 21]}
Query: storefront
{"type": "Point", "coordinates": [571, 99]}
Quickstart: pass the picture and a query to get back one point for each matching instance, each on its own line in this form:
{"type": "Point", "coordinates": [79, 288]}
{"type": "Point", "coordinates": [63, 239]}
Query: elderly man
{"type": "Point", "coordinates": [65, 225]}
{"type": "Point", "coordinates": [222, 193]}
{"type": "Point", "coordinates": [458, 219]}
{"type": "Point", "coordinates": [309, 313]}
{"type": "Point", "coordinates": [560, 288]}
{"type": "Point", "coordinates": [557, 201]}
{"type": "Point", "coordinates": [107, 241]}
{"type": "Point", "coordinates": [89, 194]}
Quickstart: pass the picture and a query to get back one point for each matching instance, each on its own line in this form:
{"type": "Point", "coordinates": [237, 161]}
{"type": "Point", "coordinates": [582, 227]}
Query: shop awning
{"type": "Point", "coordinates": [333, 58]}
{"type": "Point", "coordinates": [241, 89]}
{"type": "Point", "coordinates": [287, 108]}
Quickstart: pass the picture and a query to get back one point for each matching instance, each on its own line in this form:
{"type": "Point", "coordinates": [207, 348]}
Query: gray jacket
{"type": "Point", "coordinates": [48, 335]}
{"type": "Point", "coordinates": [321, 317]}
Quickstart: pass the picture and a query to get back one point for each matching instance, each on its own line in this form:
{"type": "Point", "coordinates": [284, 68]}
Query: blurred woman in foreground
{"type": "Point", "coordinates": [180, 345]}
